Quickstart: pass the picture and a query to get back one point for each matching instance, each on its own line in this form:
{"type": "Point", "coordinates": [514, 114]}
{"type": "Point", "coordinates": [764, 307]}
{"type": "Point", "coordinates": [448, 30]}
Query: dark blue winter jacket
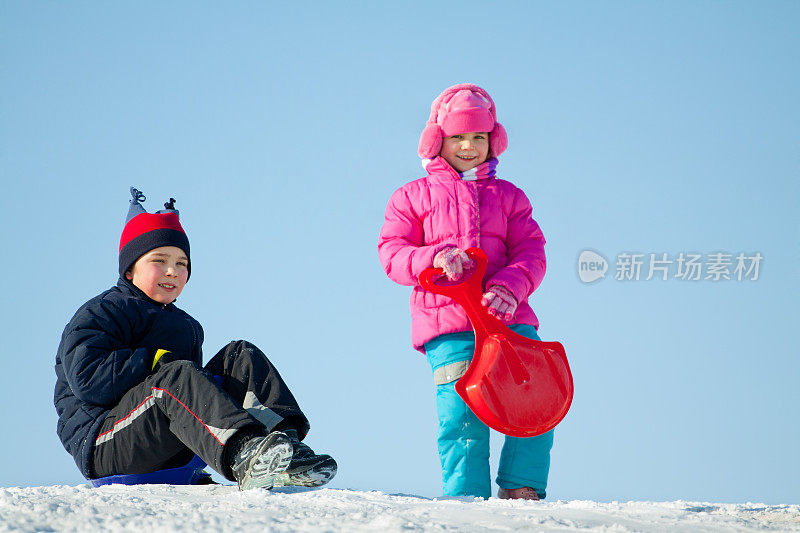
{"type": "Point", "coordinates": [106, 349]}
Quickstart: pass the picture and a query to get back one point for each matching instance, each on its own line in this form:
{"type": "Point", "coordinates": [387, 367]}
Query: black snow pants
{"type": "Point", "coordinates": [182, 410]}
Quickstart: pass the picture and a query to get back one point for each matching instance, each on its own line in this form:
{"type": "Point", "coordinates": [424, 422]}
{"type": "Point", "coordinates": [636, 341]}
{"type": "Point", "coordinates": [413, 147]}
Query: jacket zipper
{"type": "Point", "coordinates": [194, 341]}
{"type": "Point", "coordinates": [458, 209]}
{"type": "Point", "coordinates": [478, 212]}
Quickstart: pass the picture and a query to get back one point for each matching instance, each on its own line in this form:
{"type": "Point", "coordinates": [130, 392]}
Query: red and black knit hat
{"type": "Point", "coordinates": [147, 231]}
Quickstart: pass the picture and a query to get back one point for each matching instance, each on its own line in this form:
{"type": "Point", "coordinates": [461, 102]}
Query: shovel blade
{"type": "Point", "coordinates": [520, 387]}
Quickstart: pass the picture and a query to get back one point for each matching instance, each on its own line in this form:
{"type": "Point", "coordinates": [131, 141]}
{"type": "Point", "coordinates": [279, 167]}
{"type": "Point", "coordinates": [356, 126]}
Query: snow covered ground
{"type": "Point", "coordinates": [224, 508]}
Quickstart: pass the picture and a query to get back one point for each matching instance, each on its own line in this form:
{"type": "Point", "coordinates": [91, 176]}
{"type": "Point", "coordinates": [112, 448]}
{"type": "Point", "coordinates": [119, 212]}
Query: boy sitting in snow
{"type": "Point", "coordinates": [133, 398]}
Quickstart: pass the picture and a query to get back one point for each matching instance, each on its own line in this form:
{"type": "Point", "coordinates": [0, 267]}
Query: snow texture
{"type": "Point", "coordinates": [224, 508]}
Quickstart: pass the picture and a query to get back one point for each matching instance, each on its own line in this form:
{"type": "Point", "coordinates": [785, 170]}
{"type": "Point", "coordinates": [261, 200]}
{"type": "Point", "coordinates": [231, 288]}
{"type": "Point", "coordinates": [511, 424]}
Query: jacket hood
{"type": "Point", "coordinates": [440, 170]}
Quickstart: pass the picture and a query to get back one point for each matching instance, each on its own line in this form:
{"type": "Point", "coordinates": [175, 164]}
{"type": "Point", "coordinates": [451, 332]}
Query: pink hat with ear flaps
{"type": "Point", "coordinates": [462, 108]}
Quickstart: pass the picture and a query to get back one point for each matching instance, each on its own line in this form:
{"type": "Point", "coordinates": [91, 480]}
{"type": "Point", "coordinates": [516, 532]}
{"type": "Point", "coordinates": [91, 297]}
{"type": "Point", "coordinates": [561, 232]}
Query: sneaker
{"type": "Point", "coordinates": [524, 493]}
{"type": "Point", "coordinates": [261, 460]}
{"type": "Point", "coordinates": [306, 469]}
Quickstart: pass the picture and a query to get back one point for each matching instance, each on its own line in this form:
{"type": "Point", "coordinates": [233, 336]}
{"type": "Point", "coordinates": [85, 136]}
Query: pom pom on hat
{"type": "Point", "coordinates": [462, 108]}
{"type": "Point", "coordinates": [147, 231]}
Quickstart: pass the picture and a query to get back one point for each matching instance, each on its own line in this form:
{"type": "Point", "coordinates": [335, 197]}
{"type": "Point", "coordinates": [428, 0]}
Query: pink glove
{"type": "Point", "coordinates": [453, 261]}
{"type": "Point", "coordinates": [500, 301]}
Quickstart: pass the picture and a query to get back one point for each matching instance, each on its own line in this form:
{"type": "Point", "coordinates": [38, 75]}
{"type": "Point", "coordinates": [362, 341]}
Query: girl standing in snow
{"type": "Point", "coordinates": [430, 222]}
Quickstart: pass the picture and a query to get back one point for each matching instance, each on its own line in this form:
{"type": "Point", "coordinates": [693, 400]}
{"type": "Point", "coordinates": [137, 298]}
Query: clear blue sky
{"type": "Point", "coordinates": [283, 128]}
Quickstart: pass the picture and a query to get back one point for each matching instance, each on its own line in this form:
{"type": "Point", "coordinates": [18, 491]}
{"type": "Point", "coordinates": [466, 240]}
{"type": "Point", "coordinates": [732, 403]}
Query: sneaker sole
{"type": "Point", "coordinates": [272, 459]}
{"type": "Point", "coordinates": [316, 476]}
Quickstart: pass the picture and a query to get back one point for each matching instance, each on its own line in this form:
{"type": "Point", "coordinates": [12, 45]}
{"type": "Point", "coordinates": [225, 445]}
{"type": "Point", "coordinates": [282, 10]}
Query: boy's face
{"type": "Point", "coordinates": [466, 150]}
{"type": "Point", "coordinates": [161, 273]}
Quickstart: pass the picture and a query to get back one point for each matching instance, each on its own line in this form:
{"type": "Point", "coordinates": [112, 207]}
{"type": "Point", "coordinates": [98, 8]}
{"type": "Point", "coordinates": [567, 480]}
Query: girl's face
{"type": "Point", "coordinates": [465, 150]}
{"type": "Point", "coordinates": [161, 273]}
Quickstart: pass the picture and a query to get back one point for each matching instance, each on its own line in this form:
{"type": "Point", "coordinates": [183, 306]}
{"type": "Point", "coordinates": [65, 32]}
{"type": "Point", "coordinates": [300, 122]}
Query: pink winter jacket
{"type": "Point", "coordinates": [442, 210]}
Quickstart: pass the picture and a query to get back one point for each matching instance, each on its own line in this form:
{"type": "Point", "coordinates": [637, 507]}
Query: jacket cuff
{"type": "Point", "coordinates": [428, 256]}
{"type": "Point", "coordinates": [507, 281]}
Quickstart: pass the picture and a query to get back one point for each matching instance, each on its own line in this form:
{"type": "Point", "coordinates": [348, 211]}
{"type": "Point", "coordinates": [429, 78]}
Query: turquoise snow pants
{"type": "Point", "coordinates": [464, 440]}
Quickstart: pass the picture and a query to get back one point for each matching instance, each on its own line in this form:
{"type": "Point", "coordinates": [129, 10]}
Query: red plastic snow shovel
{"type": "Point", "coordinates": [518, 386]}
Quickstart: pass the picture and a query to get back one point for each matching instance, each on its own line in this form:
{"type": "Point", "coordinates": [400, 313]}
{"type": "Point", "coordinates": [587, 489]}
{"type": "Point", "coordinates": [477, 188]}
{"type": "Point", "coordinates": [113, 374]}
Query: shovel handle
{"type": "Point", "coordinates": [429, 276]}
{"type": "Point", "coordinates": [467, 293]}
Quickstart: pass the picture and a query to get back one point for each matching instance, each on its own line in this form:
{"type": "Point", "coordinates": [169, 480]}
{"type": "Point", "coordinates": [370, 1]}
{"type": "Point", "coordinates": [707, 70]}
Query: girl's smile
{"type": "Point", "coordinates": [465, 151]}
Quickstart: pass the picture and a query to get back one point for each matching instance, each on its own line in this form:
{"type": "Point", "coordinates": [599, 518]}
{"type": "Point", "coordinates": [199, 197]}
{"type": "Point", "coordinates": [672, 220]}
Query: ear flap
{"type": "Point", "coordinates": [498, 140]}
{"type": "Point", "coordinates": [430, 142]}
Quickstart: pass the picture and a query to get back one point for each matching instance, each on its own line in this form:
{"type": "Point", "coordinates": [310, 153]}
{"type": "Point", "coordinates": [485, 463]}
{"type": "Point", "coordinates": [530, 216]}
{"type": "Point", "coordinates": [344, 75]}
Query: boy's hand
{"type": "Point", "coordinates": [162, 357]}
{"type": "Point", "coordinates": [453, 261]}
{"type": "Point", "coordinates": [500, 301]}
